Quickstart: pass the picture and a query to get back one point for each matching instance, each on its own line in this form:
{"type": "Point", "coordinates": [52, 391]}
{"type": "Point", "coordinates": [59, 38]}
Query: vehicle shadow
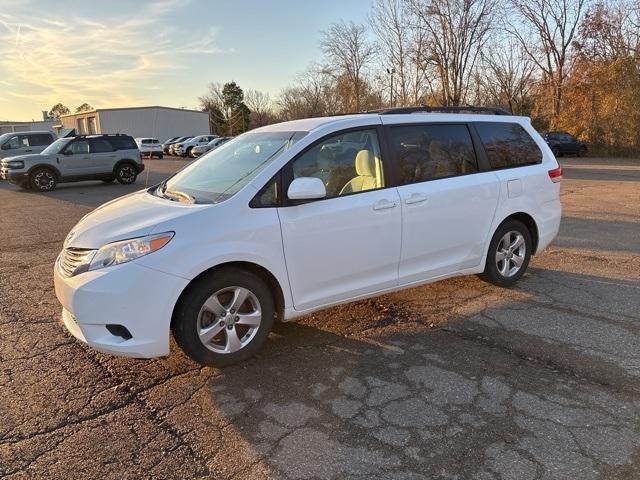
{"type": "Point", "coordinates": [398, 386]}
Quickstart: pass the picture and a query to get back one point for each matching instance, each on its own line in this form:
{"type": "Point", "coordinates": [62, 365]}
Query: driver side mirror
{"type": "Point", "coordinates": [67, 152]}
{"type": "Point", "coordinates": [306, 188]}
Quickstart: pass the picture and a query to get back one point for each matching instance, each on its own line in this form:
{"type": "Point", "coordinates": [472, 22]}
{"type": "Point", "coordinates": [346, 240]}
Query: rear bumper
{"type": "Point", "coordinates": [548, 222]}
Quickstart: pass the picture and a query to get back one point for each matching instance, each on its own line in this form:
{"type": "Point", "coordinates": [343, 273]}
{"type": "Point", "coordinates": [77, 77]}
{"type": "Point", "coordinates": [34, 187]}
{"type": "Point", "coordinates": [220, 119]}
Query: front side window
{"type": "Point", "coordinates": [221, 173]}
{"type": "Point", "coordinates": [346, 163]}
{"type": "Point", "coordinates": [429, 152]}
{"type": "Point", "coordinates": [508, 145]}
{"type": "Point", "coordinates": [80, 147]}
{"type": "Point", "coordinates": [123, 142]}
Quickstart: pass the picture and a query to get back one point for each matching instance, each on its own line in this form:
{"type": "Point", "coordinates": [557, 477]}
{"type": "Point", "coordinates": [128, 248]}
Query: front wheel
{"type": "Point", "coordinates": [43, 180]}
{"type": "Point", "coordinates": [224, 318]}
{"type": "Point", "coordinates": [509, 254]}
{"type": "Point", "coordinates": [126, 174]}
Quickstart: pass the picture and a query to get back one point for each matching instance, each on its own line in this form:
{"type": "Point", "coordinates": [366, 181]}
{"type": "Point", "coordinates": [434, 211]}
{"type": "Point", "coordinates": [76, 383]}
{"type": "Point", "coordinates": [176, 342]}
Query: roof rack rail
{"type": "Point", "coordinates": [85, 135]}
{"type": "Point", "coordinates": [441, 109]}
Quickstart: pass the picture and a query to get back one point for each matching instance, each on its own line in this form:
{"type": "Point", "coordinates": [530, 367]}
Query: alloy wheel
{"type": "Point", "coordinates": [44, 180]}
{"type": "Point", "coordinates": [511, 253]}
{"type": "Point", "coordinates": [229, 320]}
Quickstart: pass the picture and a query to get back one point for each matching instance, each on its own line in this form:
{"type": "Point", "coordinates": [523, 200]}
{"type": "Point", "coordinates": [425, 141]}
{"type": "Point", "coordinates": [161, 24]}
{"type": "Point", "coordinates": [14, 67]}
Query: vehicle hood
{"type": "Point", "coordinates": [35, 157]}
{"type": "Point", "coordinates": [133, 215]}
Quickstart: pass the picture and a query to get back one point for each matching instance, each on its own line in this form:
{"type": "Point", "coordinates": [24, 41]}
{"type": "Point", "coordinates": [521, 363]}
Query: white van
{"type": "Point", "coordinates": [295, 217]}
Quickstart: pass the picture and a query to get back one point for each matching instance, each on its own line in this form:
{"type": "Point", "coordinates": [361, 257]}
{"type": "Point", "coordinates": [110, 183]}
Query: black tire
{"type": "Point", "coordinates": [187, 153]}
{"type": "Point", "coordinates": [126, 173]}
{"type": "Point", "coordinates": [556, 152]}
{"type": "Point", "coordinates": [160, 157]}
{"type": "Point", "coordinates": [43, 179]}
{"type": "Point", "coordinates": [186, 321]}
{"type": "Point", "coordinates": [492, 273]}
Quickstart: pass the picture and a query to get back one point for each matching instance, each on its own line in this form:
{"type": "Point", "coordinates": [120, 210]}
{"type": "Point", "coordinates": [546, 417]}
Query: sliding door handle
{"type": "Point", "coordinates": [415, 198]}
{"type": "Point", "coordinates": [384, 204]}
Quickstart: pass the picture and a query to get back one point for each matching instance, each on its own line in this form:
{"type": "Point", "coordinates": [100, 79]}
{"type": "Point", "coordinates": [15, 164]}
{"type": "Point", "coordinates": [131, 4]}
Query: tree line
{"type": "Point", "coordinates": [570, 65]}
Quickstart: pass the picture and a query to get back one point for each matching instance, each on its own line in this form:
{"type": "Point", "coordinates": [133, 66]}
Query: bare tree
{"type": "Point", "coordinates": [546, 30]}
{"type": "Point", "coordinates": [456, 31]}
{"type": "Point", "coordinates": [401, 49]}
{"type": "Point", "coordinates": [260, 105]}
{"type": "Point", "coordinates": [507, 76]}
{"type": "Point", "coordinates": [312, 95]}
{"type": "Point", "coordinates": [348, 53]}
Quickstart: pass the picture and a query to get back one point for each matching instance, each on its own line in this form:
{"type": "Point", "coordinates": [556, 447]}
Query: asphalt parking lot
{"type": "Point", "coordinates": [455, 380]}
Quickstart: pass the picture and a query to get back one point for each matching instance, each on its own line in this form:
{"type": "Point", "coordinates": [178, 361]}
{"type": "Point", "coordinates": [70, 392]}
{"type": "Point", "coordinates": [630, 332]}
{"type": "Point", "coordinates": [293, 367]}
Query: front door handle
{"type": "Point", "coordinates": [415, 198]}
{"type": "Point", "coordinates": [384, 204]}
{"type": "Point", "coordinates": [28, 150]}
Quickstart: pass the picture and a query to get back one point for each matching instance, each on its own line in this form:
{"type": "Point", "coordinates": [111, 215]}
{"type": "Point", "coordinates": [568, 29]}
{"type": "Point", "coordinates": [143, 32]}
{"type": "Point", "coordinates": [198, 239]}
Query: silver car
{"type": "Point", "coordinates": [22, 143]}
{"type": "Point", "coordinates": [212, 145]}
{"type": "Point", "coordinates": [87, 157]}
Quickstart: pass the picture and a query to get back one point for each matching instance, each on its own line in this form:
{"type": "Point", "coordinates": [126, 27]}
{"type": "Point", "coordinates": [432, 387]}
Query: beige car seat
{"type": "Point", "coordinates": [369, 171]}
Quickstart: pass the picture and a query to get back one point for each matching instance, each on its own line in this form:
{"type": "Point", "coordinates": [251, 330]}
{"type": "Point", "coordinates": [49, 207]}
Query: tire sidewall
{"type": "Point", "coordinates": [125, 181]}
{"type": "Point", "coordinates": [34, 175]}
{"type": "Point", "coordinates": [491, 272]}
{"type": "Point", "coordinates": [185, 319]}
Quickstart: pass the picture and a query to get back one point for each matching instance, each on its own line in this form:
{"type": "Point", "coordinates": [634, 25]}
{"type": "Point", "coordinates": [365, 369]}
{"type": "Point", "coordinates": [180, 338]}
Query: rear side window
{"type": "Point", "coordinates": [40, 140]}
{"type": "Point", "coordinates": [429, 152]}
{"type": "Point", "coordinates": [508, 145]}
{"type": "Point", "coordinates": [123, 142]}
{"type": "Point", "coordinates": [100, 145]}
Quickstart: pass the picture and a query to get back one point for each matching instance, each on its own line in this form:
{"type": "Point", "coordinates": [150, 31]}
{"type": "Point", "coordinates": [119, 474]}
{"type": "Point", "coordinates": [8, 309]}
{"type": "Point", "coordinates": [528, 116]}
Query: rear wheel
{"type": "Point", "coordinates": [126, 174]}
{"type": "Point", "coordinates": [43, 180]}
{"type": "Point", "coordinates": [187, 153]}
{"type": "Point", "coordinates": [509, 254]}
{"type": "Point", "coordinates": [224, 318]}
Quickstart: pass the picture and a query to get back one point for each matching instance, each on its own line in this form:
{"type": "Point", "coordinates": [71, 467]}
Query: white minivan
{"type": "Point", "coordinates": [291, 218]}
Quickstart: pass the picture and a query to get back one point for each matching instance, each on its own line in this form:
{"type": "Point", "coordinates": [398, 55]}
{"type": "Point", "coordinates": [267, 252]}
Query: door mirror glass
{"type": "Point", "coordinates": [306, 188]}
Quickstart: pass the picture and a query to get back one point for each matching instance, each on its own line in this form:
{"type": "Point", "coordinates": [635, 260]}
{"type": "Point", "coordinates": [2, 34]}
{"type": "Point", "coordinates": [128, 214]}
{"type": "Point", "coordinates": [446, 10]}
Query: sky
{"type": "Point", "coordinates": [156, 52]}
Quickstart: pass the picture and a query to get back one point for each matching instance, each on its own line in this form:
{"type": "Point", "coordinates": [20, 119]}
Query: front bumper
{"type": "Point", "coordinates": [14, 176]}
{"type": "Point", "coordinates": [131, 295]}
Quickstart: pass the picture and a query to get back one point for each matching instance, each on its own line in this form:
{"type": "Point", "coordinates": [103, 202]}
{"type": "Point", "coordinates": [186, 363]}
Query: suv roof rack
{"type": "Point", "coordinates": [87, 135]}
{"type": "Point", "coordinates": [441, 109]}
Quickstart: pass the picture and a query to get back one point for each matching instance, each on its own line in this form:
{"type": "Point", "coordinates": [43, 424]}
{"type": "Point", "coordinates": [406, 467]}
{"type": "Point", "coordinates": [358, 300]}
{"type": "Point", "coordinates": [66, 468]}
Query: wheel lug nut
{"type": "Point", "coordinates": [222, 324]}
{"type": "Point", "coordinates": [229, 327]}
{"type": "Point", "coordinates": [233, 311]}
{"type": "Point", "coordinates": [237, 318]}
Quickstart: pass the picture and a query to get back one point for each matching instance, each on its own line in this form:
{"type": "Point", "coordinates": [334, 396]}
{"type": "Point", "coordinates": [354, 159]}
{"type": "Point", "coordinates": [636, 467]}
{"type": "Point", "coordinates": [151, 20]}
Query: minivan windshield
{"type": "Point", "coordinates": [221, 173]}
{"type": "Point", "coordinates": [56, 147]}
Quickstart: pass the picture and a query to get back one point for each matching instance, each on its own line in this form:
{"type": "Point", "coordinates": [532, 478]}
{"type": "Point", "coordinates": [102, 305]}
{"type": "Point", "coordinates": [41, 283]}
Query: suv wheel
{"type": "Point", "coordinates": [224, 318]}
{"type": "Point", "coordinates": [126, 174]}
{"type": "Point", "coordinates": [509, 254]}
{"type": "Point", "coordinates": [187, 153]}
{"type": "Point", "coordinates": [43, 180]}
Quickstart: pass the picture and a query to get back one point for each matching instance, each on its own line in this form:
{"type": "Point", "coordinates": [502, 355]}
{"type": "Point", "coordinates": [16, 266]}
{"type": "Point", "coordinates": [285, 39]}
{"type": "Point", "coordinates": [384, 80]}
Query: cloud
{"type": "Point", "coordinates": [106, 61]}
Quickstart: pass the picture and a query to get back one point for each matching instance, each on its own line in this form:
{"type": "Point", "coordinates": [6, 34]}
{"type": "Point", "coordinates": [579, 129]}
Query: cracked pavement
{"type": "Point", "coordinates": [455, 380]}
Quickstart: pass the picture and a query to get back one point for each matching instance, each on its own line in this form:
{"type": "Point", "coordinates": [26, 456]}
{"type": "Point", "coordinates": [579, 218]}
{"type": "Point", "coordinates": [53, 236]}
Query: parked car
{"type": "Point", "coordinates": [72, 159]}
{"type": "Point", "coordinates": [172, 146]}
{"type": "Point", "coordinates": [562, 143]}
{"type": "Point", "coordinates": [183, 148]}
{"type": "Point", "coordinates": [149, 146]}
{"type": "Point", "coordinates": [212, 145]}
{"type": "Point", "coordinates": [23, 143]}
{"type": "Point", "coordinates": [167, 143]}
{"type": "Point", "coordinates": [273, 226]}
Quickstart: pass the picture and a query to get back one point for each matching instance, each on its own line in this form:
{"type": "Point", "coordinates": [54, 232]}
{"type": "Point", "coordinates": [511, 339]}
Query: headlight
{"type": "Point", "coordinates": [15, 164]}
{"type": "Point", "coordinates": [126, 250]}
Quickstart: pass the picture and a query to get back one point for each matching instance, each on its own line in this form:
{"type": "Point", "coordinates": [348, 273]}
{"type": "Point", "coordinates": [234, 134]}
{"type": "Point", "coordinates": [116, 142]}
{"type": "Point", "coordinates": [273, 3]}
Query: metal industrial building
{"type": "Point", "coordinates": [34, 126]}
{"type": "Point", "coordinates": [156, 122]}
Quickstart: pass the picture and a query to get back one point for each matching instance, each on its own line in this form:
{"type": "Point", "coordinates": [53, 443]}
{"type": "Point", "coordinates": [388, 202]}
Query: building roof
{"type": "Point", "coordinates": [131, 108]}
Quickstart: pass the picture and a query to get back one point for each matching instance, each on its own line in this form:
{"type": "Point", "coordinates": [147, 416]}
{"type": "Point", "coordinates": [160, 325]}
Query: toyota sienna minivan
{"type": "Point", "coordinates": [291, 218]}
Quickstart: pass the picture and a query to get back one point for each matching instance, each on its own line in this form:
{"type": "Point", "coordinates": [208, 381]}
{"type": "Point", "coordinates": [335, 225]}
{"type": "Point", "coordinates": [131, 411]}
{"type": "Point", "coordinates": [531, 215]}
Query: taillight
{"type": "Point", "coordinates": [555, 175]}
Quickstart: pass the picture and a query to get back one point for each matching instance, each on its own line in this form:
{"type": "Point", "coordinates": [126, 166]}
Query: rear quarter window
{"type": "Point", "coordinates": [40, 139]}
{"type": "Point", "coordinates": [508, 145]}
{"type": "Point", "coordinates": [123, 142]}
